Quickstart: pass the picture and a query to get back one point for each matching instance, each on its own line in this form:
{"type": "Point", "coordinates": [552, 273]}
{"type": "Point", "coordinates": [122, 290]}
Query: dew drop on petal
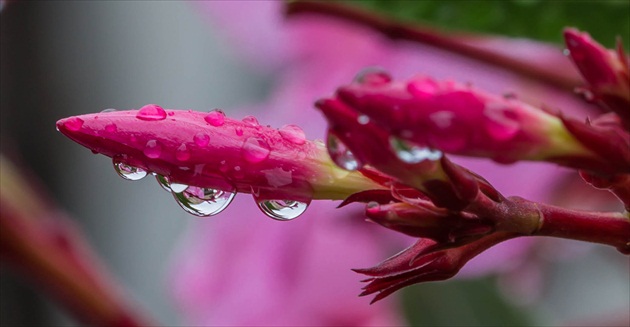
{"type": "Point", "coordinates": [282, 210]}
{"type": "Point", "coordinates": [410, 153]}
{"type": "Point", "coordinates": [163, 182]}
{"type": "Point", "coordinates": [340, 154]}
{"type": "Point", "coordinates": [293, 134]}
{"type": "Point", "coordinates": [255, 150]}
{"type": "Point", "coordinates": [108, 110]}
{"type": "Point", "coordinates": [373, 76]}
{"type": "Point", "coordinates": [152, 149]}
{"type": "Point", "coordinates": [203, 202]}
{"type": "Point", "coordinates": [363, 119]}
{"type": "Point", "coordinates": [182, 153]}
{"type": "Point", "coordinates": [73, 123]}
{"type": "Point", "coordinates": [500, 123]}
{"type": "Point", "coordinates": [128, 172]}
{"type": "Point", "coordinates": [238, 130]}
{"type": "Point", "coordinates": [111, 128]}
{"type": "Point", "coordinates": [251, 120]}
{"type": "Point", "coordinates": [201, 139]}
{"type": "Point", "coordinates": [151, 112]}
{"type": "Point", "coordinates": [215, 118]}
{"type": "Point", "coordinates": [566, 52]}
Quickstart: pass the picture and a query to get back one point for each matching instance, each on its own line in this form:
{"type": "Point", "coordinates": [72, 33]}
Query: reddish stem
{"type": "Point", "coordinates": [457, 44]}
{"type": "Point", "coordinates": [610, 228]}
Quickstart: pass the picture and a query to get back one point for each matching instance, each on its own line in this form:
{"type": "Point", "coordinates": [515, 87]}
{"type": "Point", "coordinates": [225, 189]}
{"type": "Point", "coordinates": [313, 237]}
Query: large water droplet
{"type": "Point", "coordinates": [215, 117]}
{"type": "Point", "coordinates": [201, 139]}
{"type": "Point", "coordinates": [153, 149]}
{"type": "Point", "coordinates": [73, 123]}
{"type": "Point", "coordinates": [293, 134]}
{"type": "Point", "coordinates": [373, 76]}
{"type": "Point", "coordinates": [128, 172]}
{"type": "Point", "coordinates": [255, 150]}
{"type": "Point", "coordinates": [411, 153]}
{"type": "Point", "coordinates": [151, 112]}
{"type": "Point", "coordinates": [340, 154]}
{"type": "Point", "coordinates": [282, 209]}
{"type": "Point", "coordinates": [182, 153]}
{"type": "Point", "coordinates": [203, 202]}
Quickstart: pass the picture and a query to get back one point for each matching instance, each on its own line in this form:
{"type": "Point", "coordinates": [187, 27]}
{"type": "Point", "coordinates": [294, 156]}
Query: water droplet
{"type": "Point", "coordinates": [251, 120]}
{"type": "Point", "coordinates": [108, 110]}
{"type": "Point", "coordinates": [363, 119]}
{"type": "Point", "coordinates": [203, 202]}
{"type": "Point", "coordinates": [282, 209]}
{"type": "Point", "coordinates": [422, 88]}
{"type": "Point", "coordinates": [340, 154]}
{"type": "Point", "coordinates": [151, 112]}
{"type": "Point", "coordinates": [110, 128]}
{"type": "Point", "coordinates": [411, 153]}
{"type": "Point", "coordinates": [177, 187]}
{"type": "Point", "coordinates": [201, 139]}
{"type": "Point", "coordinates": [293, 134]}
{"type": "Point", "coordinates": [152, 149]}
{"type": "Point", "coordinates": [163, 182]}
{"type": "Point", "coordinates": [566, 52]}
{"type": "Point", "coordinates": [73, 123]}
{"type": "Point", "coordinates": [373, 76]}
{"type": "Point", "coordinates": [128, 172]}
{"type": "Point", "coordinates": [501, 123]}
{"type": "Point", "coordinates": [182, 153]}
{"type": "Point", "coordinates": [170, 113]}
{"type": "Point", "coordinates": [255, 150]}
{"type": "Point", "coordinates": [215, 117]}
{"type": "Point", "coordinates": [238, 130]}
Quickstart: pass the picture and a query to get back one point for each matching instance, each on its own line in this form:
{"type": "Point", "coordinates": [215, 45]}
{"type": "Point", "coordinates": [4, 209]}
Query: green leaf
{"type": "Point", "coordinates": [536, 19]}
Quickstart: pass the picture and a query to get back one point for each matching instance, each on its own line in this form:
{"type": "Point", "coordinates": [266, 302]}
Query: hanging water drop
{"type": "Point", "coordinates": [152, 149]}
{"type": "Point", "coordinates": [215, 118]}
{"type": "Point", "coordinates": [340, 154]}
{"type": "Point", "coordinates": [163, 182]}
{"type": "Point", "coordinates": [293, 134]}
{"type": "Point", "coordinates": [203, 202]}
{"type": "Point", "coordinates": [282, 209]}
{"type": "Point", "coordinates": [255, 150]}
{"type": "Point", "coordinates": [151, 112]}
{"type": "Point", "coordinates": [177, 187]}
{"type": "Point", "coordinates": [129, 172]}
{"type": "Point", "coordinates": [411, 153]}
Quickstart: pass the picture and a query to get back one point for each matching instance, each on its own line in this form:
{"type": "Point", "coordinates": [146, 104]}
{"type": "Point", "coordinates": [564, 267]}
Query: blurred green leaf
{"type": "Point", "coordinates": [537, 19]}
{"type": "Point", "coordinates": [460, 303]}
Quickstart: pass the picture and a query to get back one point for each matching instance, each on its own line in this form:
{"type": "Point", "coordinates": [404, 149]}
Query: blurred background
{"type": "Point", "coordinates": [66, 58]}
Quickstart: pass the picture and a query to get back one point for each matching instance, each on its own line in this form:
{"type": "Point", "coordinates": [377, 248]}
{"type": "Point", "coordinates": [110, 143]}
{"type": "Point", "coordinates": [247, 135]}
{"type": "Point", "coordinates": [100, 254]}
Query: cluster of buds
{"type": "Point", "coordinates": [387, 146]}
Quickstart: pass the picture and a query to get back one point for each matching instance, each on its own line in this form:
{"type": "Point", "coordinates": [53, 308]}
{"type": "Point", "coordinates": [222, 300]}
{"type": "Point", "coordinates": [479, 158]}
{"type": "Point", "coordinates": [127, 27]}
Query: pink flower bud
{"type": "Point", "coordinates": [459, 119]}
{"type": "Point", "coordinates": [606, 71]}
{"type": "Point", "coordinates": [209, 150]}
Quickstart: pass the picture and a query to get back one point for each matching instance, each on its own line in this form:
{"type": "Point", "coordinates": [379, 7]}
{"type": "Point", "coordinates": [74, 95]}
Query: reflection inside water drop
{"type": "Point", "coordinates": [340, 154]}
{"type": "Point", "coordinates": [282, 209]}
{"type": "Point", "coordinates": [203, 202]}
{"type": "Point", "coordinates": [411, 153]}
{"type": "Point", "coordinates": [129, 172]}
